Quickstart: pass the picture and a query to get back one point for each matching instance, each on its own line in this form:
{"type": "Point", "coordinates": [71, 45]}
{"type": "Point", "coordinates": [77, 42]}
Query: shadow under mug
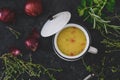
{"type": "Point", "coordinates": [88, 47]}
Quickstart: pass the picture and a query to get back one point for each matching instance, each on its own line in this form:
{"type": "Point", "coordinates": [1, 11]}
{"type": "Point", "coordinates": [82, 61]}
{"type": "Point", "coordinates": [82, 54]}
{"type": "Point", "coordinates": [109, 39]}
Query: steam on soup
{"type": "Point", "coordinates": [71, 41]}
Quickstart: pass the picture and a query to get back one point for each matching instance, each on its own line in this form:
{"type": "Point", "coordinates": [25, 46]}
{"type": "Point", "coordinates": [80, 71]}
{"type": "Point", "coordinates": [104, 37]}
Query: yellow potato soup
{"type": "Point", "coordinates": [71, 41]}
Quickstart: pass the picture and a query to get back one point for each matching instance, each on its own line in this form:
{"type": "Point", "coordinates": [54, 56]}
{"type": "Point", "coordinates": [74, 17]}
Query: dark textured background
{"type": "Point", "coordinates": [45, 54]}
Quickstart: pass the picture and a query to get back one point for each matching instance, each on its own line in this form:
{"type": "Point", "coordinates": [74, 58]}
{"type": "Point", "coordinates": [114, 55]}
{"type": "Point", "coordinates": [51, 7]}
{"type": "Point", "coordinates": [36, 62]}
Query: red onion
{"type": "Point", "coordinates": [6, 15]}
{"type": "Point", "coordinates": [15, 51]}
{"type": "Point", "coordinates": [33, 7]}
{"type": "Point", "coordinates": [32, 41]}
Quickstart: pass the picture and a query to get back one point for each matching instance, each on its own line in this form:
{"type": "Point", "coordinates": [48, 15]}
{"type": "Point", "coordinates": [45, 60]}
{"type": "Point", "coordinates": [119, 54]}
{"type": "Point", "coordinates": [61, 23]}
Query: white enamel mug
{"type": "Point", "coordinates": [59, 22]}
{"type": "Point", "coordinates": [88, 47]}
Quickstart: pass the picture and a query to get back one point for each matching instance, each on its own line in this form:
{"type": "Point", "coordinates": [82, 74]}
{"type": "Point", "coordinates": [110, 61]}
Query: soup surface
{"type": "Point", "coordinates": [71, 41]}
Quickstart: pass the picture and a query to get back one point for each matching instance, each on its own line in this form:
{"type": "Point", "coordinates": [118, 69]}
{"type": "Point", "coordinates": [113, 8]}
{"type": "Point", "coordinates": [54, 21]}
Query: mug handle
{"type": "Point", "coordinates": [93, 50]}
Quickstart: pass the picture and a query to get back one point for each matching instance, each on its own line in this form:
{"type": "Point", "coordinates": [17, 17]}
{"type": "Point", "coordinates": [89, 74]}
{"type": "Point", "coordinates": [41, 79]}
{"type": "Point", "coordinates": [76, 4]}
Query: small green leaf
{"type": "Point", "coordinates": [95, 1]}
{"type": "Point", "coordinates": [101, 78]}
{"type": "Point", "coordinates": [83, 3]}
{"type": "Point", "coordinates": [90, 3]}
{"type": "Point", "coordinates": [114, 69]}
{"type": "Point", "coordinates": [110, 5]}
{"type": "Point", "coordinates": [81, 12]}
{"type": "Point", "coordinates": [89, 68]}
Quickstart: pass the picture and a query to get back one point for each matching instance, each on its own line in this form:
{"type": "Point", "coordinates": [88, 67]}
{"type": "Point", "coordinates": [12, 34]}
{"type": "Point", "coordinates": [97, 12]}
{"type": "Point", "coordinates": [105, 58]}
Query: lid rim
{"type": "Point", "coordinates": [58, 22]}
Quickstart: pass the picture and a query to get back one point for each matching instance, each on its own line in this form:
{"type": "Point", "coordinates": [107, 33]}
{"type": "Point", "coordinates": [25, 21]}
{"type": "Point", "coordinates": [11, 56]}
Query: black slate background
{"type": "Point", "coordinates": [45, 54]}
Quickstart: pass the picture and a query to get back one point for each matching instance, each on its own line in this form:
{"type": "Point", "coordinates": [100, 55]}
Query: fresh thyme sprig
{"type": "Point", "coordinates": [112, 45]}
{"type": "Point", "coordinates": [100, 70]}
{"type": "Point", "coordinates": [14, 68]}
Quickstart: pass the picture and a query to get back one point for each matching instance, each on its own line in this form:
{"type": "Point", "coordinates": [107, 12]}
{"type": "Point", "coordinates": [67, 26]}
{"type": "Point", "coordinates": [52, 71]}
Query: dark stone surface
{"type": "Point", "coordinates": [45, 54]}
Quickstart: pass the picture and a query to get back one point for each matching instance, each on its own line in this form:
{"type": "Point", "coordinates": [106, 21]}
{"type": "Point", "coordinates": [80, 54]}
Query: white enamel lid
{"type": "Point", "coordinates": [55, 24]}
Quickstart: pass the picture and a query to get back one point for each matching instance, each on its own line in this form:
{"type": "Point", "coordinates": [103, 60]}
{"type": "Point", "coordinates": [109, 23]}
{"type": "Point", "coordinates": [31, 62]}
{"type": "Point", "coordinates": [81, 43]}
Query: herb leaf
{"type": "Point", "coordinates": [110, 5]}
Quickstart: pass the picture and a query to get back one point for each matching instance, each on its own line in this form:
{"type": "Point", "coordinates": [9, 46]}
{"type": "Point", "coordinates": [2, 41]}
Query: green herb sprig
{"type": "Point", "coordinates": [92, 11]}
{"type": "Point", "coordinates": [99, 23]}
{"type": "Point", "coordinates": [99, 71]}
{"type": "Point", "coordinates": [14, 32]}
{"type": "Point", "coordinates": [112, 45]}
{"type": "Point", "coordinates": [96, 5]}
{"type": "Point", "coordinates": [14, 68]}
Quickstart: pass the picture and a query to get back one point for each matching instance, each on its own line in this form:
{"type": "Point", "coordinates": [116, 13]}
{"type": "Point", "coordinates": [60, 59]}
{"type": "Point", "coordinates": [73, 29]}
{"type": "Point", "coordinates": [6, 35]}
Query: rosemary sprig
{"type": "Point", "coordinates": [92, 10]}
{"type": "Point", "coordinates": [99, 23]}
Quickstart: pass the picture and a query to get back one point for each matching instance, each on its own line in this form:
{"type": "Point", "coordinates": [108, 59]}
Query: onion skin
{"type": "Point", "coordinates": [7, 15]}
{"type": "Point", "coordinates": [15, 51]}
{"type": "Point", "coordinates": [33, 7]}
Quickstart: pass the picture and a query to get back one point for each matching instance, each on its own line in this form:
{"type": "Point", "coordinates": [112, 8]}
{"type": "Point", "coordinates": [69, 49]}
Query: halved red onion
{"type": "Point", "coordinates": [33, 7]}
